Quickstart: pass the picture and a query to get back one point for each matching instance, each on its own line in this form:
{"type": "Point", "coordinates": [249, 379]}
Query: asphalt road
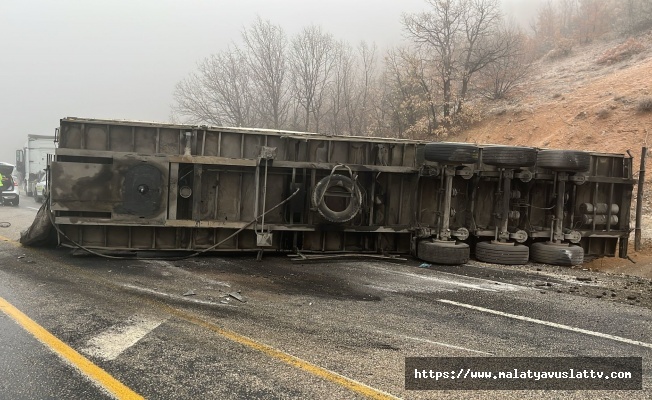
{"type": "Point", "coordinates": [232, 327]}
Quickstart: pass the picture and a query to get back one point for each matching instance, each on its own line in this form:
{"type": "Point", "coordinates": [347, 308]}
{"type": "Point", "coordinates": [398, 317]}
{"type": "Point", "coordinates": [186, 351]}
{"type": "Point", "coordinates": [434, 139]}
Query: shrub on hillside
{"type": "Point", "coordinates": [563, 48]}
{"type": "Point", "coordinates": [621, 52]}
{"type": "Point", "coordinates": [603, 113]}
{"type": "Point", "coordinates": [645, 104]}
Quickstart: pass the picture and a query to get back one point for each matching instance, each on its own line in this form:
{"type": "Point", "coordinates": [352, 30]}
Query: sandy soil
{"type": "Point", "coordinates": [576, 103]}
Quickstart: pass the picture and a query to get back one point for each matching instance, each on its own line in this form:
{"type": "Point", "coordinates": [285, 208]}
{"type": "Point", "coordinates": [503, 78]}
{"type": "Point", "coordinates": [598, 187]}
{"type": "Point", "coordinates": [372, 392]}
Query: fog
{"type": "Point", "coordinates": [121, 59]}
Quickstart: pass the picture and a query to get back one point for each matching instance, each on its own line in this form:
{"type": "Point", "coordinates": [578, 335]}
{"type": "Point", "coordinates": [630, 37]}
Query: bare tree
{"type": "Point", "coordinates": [458, 33]}
{"type": "Point", "coordinates": [195, 103]}
{"type": "Point", "coordinates": [593, 20]}
{"type": "Point", "coordinates": [567, 13]}
{"type": "Point", "coordinates": [546, 27]}
{"type": "Point", "coordinates": [503, 75]}
{"type": "Point", "coordinates": [341, 89]}
{"type": "Point", "coordinates": [480, 22]}
{"type": "Point", "coordinates": [410, 93]}
{"type": "Point", "coordinates": [359, 109]}
{"type": "Point", "coordinates": [632, 16]}
{"type": "Point", "coordinates": [312, 57]}
{"type": "Point", "coordinates": [266, 46]}
{"type": "Point", "coordinates": [220, 92]}
{"type": "Point", "coordinates": [440, 30]}
{"type": "Point", "coordinates": [352, 89]}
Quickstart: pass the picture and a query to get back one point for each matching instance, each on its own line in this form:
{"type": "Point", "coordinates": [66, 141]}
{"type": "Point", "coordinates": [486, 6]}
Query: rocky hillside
{"type": "Point", "coordinates": [582, 104]}
{"type": "Point", "coordinates": [579, 103]}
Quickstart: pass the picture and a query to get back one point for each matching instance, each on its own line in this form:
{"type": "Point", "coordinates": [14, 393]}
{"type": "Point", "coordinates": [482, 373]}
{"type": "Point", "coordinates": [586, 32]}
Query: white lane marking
{"type": "Point", "coordinates": [438, 343]}
{"type": "Point", "coordinates": [109, 344]}
{"type": "Point", "coordinates": [395, 290]}
{"type": "Point", "coordinates": [548, 323]}
{"type": "Point", "coordinates": [32, 208]}
{"type": "Point", "coordinates": [178, 298]}
{"type": "Point", "coordinates": [169, 265]}
{"type": "Point", "coordinates": [495, 286]}
{"type": "Point", "coordinates": [509, 286]}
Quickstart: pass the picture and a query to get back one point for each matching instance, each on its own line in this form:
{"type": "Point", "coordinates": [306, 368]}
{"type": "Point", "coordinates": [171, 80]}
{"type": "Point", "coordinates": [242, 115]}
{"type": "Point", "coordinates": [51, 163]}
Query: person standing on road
{"type": "Point", "coordinates": [2, 186]}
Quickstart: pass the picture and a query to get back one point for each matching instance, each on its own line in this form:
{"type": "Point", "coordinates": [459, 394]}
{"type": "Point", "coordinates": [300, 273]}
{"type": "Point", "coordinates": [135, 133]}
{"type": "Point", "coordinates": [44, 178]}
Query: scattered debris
{"type": "Point", "coordinates": [23, 256]}
{"type": "Point", "coordinates": [344, 256]}
{"type": "Point", "coordinates": [583, 278]}
{"type": "Point", "coordinates": [425, 265]}
{"type": "Point", "coordinates": [237, 296]}
{"type": "Point", "coordinates": [190, 293]}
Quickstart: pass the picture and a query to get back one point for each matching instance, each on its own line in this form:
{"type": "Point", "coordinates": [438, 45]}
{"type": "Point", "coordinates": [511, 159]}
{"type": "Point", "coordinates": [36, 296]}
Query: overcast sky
{"type": "Point", "coordinates": [122, 58]}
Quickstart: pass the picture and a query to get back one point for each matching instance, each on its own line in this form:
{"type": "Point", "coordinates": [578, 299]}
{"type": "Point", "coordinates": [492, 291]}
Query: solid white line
{"type": "Point", "coordinates": [441, 344]}
{"type": "Point", "coordinates": [178, 298]}
{"type": "Point", "coordinates": [548, 323]}
{"type": "Point", "coordinates": [109, 344]}
{"type": "Point", "coordinates": [494, 287]}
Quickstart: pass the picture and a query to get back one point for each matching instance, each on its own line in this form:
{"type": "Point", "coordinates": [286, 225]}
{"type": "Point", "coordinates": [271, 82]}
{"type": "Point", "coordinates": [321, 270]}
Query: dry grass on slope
{"type": "Point", "coordinates": [578, 103]}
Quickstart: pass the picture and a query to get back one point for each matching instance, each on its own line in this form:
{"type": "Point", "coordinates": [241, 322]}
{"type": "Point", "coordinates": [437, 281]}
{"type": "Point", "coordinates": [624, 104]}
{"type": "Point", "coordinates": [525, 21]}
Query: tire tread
{"type": "Point", "coordinates": [446, 254]}
{"type": "Point", "coordinates": [502, 254]}
{"type": "Point", "coordinates": [545, 253]}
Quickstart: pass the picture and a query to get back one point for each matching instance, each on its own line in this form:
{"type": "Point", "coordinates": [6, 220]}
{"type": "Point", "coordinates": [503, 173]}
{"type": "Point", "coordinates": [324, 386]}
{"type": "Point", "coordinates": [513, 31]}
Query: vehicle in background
{"type": "Point", "coordinates": [10, 193]}
{"type": "Point", "coordinates": [41, 189]}
{"type": "Point", "coordinates": [32, 160]}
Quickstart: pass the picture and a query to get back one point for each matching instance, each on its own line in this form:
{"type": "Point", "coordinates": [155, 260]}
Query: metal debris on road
{"type": "Point", "coordinates": [342, 256]}
{"type": "Point", "coordinates": [190, 293]}
{"type": "Point", "coordinates": [237, 296]}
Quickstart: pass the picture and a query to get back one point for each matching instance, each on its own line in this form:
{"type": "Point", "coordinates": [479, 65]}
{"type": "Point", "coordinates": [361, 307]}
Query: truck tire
{"type": "Point", "coordinates": [509, 156]}
{"type": "Point", "coordinates": [447, 253]}
{"type": "Point", "coordinates": [556, 254]}
{"type": "Point", "coordinates": [502, 253]}
{"type": "Point", "coordinates": [353, 206]}
{"type": "Point", "coordinates": [15, 202]}
{"type": "Point", "coordinates": [564, 160]}
{"type": "Point", "coordinates": [452, 153]}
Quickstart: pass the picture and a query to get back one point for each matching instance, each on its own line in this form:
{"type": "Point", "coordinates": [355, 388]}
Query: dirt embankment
{"type": "Point", "coordinates": [577, 103]}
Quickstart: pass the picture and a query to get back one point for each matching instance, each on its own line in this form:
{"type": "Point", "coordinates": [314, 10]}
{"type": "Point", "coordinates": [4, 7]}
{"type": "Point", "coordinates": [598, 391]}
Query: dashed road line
{"type": "Point", "coordinates": [175, 297]}
{"type": "Point", "coordinates": [450, 346]}
{"type": "Point", "coordinates": [96, 374]}
{"type": "Point", "coordinates": [109, 344]}
{"type": "Point", "coordinates": [483, 284]}
{"type": "Point", "coordinates": [548, 323]}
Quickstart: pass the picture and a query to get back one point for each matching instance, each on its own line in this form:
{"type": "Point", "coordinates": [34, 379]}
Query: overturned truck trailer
{"type": "Point", "coordinates": [138, 186]}
{"type": "Point", "coordinates": [141, 186]}
{"type": "Point", "coordinates": [512, 204]}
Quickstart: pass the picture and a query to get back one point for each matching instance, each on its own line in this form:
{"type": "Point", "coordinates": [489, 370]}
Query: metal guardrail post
{"type": "Point", "coordinates": [639, 201]}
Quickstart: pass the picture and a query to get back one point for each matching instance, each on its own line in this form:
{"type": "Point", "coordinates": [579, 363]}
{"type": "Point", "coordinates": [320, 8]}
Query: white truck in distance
{"type": "Point", "coordinates": [32, 160]}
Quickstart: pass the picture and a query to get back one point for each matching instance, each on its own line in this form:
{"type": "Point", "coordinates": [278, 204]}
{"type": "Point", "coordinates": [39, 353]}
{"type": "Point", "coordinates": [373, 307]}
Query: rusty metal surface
{"type": "Point", "coordinates": [128, 185]}
{"type": "Point", "coordinates": [138, 186]}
